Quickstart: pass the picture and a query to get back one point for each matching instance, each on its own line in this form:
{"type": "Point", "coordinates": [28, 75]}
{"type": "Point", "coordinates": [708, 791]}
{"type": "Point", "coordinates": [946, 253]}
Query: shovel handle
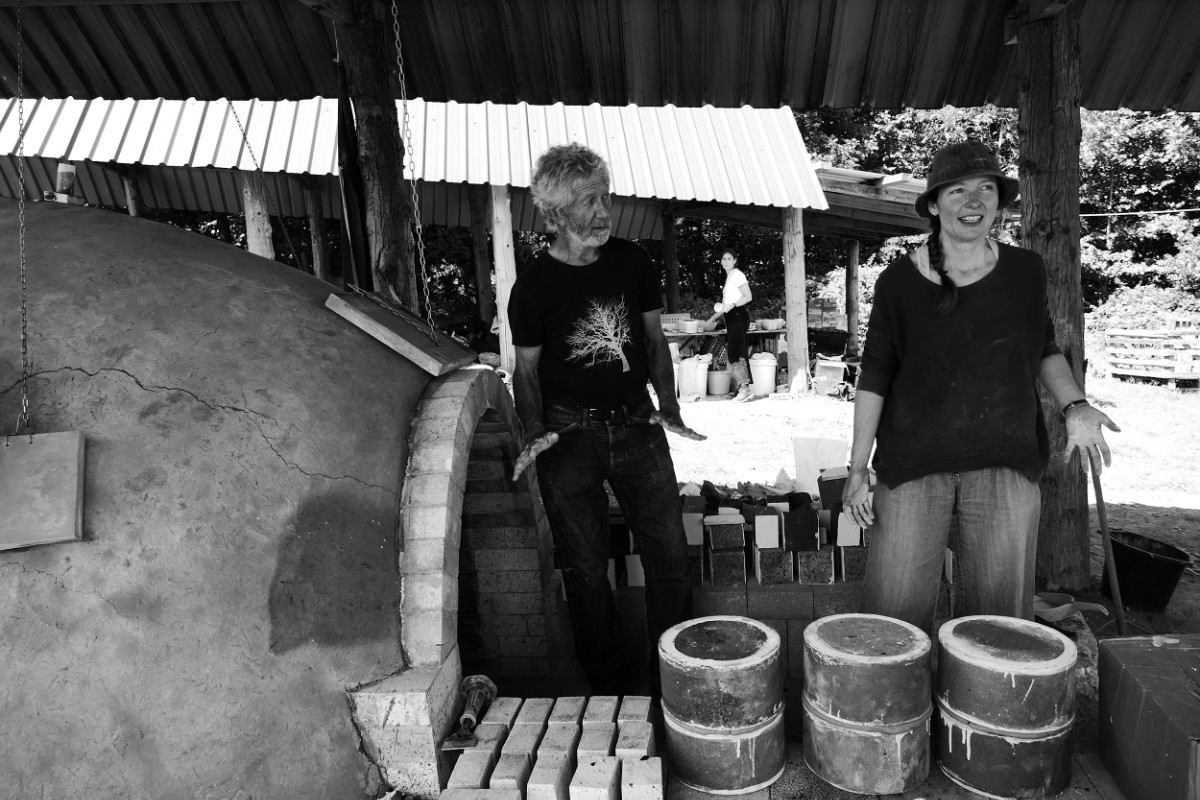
{"type": "Point", "coordinates": [475, 701]}
{"type": "Point", "coordinates": [1110, 565]}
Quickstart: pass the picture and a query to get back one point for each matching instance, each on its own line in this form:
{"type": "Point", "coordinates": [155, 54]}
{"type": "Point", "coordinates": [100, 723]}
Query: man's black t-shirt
{"type": "Point", "coordinates": [588, 322]}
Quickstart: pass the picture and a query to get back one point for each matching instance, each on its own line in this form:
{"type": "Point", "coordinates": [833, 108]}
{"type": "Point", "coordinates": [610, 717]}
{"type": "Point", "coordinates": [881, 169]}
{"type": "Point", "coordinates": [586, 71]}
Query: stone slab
{"type": "Point", "coordinates": [511, 771]}
{"type": "Point", "coordinates": [635, 740]}
{"type": "Point", "coordinates": [634, 708]}
{"type": "Point", "coordinates": [567, 709]}
{"type": "Point", "coordinates": [642, 779]}
{"type": "Point", "coordinates": [551, 777]}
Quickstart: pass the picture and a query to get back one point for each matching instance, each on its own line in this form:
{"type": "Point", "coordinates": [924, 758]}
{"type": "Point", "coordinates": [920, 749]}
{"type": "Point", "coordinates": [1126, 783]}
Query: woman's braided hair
{"type": "Point", "coordinates": [947, 299]}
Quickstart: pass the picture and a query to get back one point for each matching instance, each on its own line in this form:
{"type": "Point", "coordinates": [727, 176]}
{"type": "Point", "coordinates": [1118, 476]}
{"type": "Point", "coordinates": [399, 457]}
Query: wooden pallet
{"type": "Point", "coordinates": [1165, 355]}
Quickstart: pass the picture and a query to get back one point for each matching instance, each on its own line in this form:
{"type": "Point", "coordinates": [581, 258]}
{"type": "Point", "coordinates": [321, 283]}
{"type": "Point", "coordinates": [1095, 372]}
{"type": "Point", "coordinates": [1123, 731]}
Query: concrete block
{"type": "Point", "coordinates": [423, 696]}
{"type": "Point", "coordinates": [503, 711]}
{"type": "Point", "coordinates": [728, 567]}
{"type": "Point", "coordinates": [634, 740]}
{"type": "Point", "coordinates": [560, 737]}
{"type": "Point", "coordinates": [523, 738]}
{"type": "Point", "coordinates": [597, 740]}
{"type": "Point", "coordinates": [568, 709]}
{"type": "Point", "coordinates": [511, 772]}
{"type": "Point", "coordinates": [535, 711]}
{"type": "Point", "coordinates": [773, 566]}
{"type": "Point", "coordinates": [490, 737]}
{"type": "Point", "coordinates": [472, 771]}
{"type": "Point", "coordinates": [815, 566]}
{"type": "Point", "coordinates": [478, 794]}
{"type": "Point", "coordinates": [854, 563]}
{"type": "Point", "coordinates": [841, 598]}
{"type": "Point", "coordinates": [642, 779]}
{"type": "Point", "coordinates": [724, 535]}
{"type": "Point", "coordinates": [779, 601]}
{"type": "Point", "coordinates": [768, 529]}
{"type": "Point", "coordinates": [693, 527]}
{"type": "Point", "coordinates": [597, 779]}
{"type": "Point", "coordinates": [634, 708]}
{"type": "Point", "coordinates": [800, 529]}
{"type": "Point", "coordinates": [551, 777]}
{"type": "Point", "coordinates": [709, 601]}
{"type": "Point", "coordinates": [601, 708]}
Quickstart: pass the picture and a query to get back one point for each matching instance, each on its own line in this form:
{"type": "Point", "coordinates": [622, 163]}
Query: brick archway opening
{"type": "Point", "coordinates": [478, 592]}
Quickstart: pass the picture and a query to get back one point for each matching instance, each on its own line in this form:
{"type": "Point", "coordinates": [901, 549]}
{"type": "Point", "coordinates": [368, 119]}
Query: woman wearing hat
{"type": "Point", "coordinates": [958, 338]}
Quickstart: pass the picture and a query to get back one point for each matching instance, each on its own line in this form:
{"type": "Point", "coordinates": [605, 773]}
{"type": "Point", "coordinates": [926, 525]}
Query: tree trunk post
{"type": "Point", "coordinates": [485, 295]}
{"type": "Point", "coordinates": [670, 260]}
{"type": "Point", "coordinates": [316, 231]}
{"type": "Point", "coordinates": [133, 193]}
{"type": "Point", "coordinates": [1049, 133]}
{"type": "Point", "coordinates": [796, 292]}
{"type": "Point", "coordinates": [506, 271]}
{"type": "Point", "coordinates": [852, 343]}
{"type": "Point", "coordinates": [369, 54]}
{"type": "Point", "coordinates": [258, 218]}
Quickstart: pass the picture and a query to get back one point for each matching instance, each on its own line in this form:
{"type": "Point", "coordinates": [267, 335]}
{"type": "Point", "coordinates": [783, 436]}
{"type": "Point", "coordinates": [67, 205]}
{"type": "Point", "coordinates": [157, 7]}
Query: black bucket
{"type": "Point", "coordinates": [1147, 570]}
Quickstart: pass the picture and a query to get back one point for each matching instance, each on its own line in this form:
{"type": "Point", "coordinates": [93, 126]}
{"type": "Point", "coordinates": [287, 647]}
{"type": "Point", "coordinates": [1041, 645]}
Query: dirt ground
{"type": "Point", "coordinates": [1152, 487]}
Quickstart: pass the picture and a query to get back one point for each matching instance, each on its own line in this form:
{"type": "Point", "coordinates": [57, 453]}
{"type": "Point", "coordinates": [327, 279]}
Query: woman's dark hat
{"type": "Point", "coordinates": [964, 160]}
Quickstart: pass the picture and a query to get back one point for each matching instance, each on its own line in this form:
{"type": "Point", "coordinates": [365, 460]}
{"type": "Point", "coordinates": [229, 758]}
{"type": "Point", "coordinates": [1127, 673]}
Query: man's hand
{"type": "Point", "coordinates": [856, 497]}
{"type": "Point", "coordinates": [671, 421]}
{"type": "Point", "coordinates": [1084, 432]}
{"type": "Point", "coordinates": [533, 448]}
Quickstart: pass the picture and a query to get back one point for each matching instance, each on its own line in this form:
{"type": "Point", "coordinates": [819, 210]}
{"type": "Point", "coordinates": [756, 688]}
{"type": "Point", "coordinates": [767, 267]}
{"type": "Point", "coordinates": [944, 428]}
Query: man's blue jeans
{"type": "Point", "coordinates": [998, 510]}
{"type": "Point", "coordinates": [633, 456]}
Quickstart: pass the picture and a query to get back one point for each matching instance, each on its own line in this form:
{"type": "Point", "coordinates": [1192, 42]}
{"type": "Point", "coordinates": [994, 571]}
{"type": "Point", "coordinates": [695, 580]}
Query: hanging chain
{"type": "Point", "coordinates": [262, 178]}
{"type": "Point", "coordinates": [23, 417]}
{"type": "Point", "coordinates": [411, 169]}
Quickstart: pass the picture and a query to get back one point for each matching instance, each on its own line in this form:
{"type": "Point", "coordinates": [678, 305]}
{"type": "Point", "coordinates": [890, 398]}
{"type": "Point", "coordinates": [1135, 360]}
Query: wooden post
{"type": "Point", "coordinates": [369, 54]}
{"type": "Point", "coordinates": [485, 295]}
{"type": "Point", "coordinates": [795, 292]}
{"type": "Point", "coordinates": [1049, 132]}
{"type": "Point", "coordinates": [133, 193]}
{"type": "Point", "coordinates": [506, 270]}
{"type": "Point", "coordinates": [258, 217]}
{"type": "Point", "coordinates": [670, 259]}
{"type": "Point", "coordinates": [852, 343]}
{"type": "Point", "coordinates": [316, 231]}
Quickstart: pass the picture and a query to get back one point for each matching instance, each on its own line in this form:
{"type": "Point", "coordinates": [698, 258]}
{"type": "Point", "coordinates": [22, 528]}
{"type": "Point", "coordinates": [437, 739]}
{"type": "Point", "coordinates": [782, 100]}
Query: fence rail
{"type": "Point", "coordinates": [1165, 355]}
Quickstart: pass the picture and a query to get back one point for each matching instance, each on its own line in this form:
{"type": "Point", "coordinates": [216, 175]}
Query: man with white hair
{"type": "Point", "coordinates": [585, 323]}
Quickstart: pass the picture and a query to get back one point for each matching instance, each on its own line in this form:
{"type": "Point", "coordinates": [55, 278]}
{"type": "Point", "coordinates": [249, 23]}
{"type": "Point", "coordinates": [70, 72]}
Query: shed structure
{"type": "Point", "coordinates": [744, 165]}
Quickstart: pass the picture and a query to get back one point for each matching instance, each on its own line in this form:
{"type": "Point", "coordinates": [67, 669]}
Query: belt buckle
{"type": "Point", "coordinates": [608, 415]}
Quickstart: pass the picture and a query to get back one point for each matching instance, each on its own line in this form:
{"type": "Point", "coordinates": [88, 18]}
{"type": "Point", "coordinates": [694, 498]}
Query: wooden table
{"type": "Point", "coordinates": [768, 340]}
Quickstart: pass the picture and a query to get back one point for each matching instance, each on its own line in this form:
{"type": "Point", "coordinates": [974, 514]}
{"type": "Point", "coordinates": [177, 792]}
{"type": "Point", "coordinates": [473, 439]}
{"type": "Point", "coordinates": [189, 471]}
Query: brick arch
{"type": "Point", "coordinates": [467, 413]}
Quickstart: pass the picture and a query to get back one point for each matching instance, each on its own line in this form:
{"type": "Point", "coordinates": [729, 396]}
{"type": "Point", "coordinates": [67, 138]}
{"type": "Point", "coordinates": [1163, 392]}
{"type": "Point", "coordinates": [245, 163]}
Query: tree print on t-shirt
{"type": "Point", "coordinates": [601, 334]}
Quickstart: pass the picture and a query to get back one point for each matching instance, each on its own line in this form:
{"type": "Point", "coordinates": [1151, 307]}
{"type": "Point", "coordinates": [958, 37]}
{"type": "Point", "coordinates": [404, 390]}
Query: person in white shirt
{"type": "Point", "coordinates": [734, 299]}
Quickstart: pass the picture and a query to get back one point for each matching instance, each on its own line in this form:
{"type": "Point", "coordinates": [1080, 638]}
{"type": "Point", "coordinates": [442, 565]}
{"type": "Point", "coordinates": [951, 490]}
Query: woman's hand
{"type": "Point", "coordinates": [1084, 431]}
{"type": "Point", "coordinates": [856, 497]}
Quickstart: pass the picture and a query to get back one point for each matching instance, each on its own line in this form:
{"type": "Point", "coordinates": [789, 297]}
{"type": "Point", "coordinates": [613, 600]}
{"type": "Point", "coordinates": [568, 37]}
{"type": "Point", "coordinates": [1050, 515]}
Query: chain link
{"type": "Point", "coordinates": [23, 417]}
{"type": "Point", "coordinates": [411, 169]}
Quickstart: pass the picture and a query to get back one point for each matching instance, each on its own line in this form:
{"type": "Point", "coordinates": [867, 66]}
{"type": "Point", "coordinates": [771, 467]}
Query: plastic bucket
{"type": "Point", "coordinates": [1147, 570]}
{"type": "Point", "coordinates": [718, 382]}
{"type": "Point", "coordinates": [762, 372]}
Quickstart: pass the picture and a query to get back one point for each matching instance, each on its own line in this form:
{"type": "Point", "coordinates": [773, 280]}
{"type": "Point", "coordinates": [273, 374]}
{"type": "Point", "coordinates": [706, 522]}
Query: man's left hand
{"type": "Point", "coordinates": [671, 421]}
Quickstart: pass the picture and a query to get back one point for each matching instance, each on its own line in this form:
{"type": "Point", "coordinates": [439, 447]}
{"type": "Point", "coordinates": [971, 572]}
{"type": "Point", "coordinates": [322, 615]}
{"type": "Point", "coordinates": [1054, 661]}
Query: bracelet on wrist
{"type": "Point", "coordinates": [1073, 404]}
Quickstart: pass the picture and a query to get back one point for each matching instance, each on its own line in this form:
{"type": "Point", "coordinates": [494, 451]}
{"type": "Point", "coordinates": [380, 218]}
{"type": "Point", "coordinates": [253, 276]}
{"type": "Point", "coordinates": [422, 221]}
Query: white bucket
{"type": "Point", "coordinates": [762, 372]}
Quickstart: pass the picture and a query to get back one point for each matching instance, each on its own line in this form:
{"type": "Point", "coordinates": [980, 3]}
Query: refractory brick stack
{"type": "Point", "coordinates": [507, 620]}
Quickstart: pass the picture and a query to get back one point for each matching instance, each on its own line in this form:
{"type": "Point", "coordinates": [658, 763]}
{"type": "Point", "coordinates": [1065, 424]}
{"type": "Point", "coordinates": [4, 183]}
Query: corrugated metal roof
{"type": "Point", "coordinates": [745, 156]}
{"type": "Point", "coordinates": [766, 53]}
{"type": "Point", "coordinates": [740, 156]}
